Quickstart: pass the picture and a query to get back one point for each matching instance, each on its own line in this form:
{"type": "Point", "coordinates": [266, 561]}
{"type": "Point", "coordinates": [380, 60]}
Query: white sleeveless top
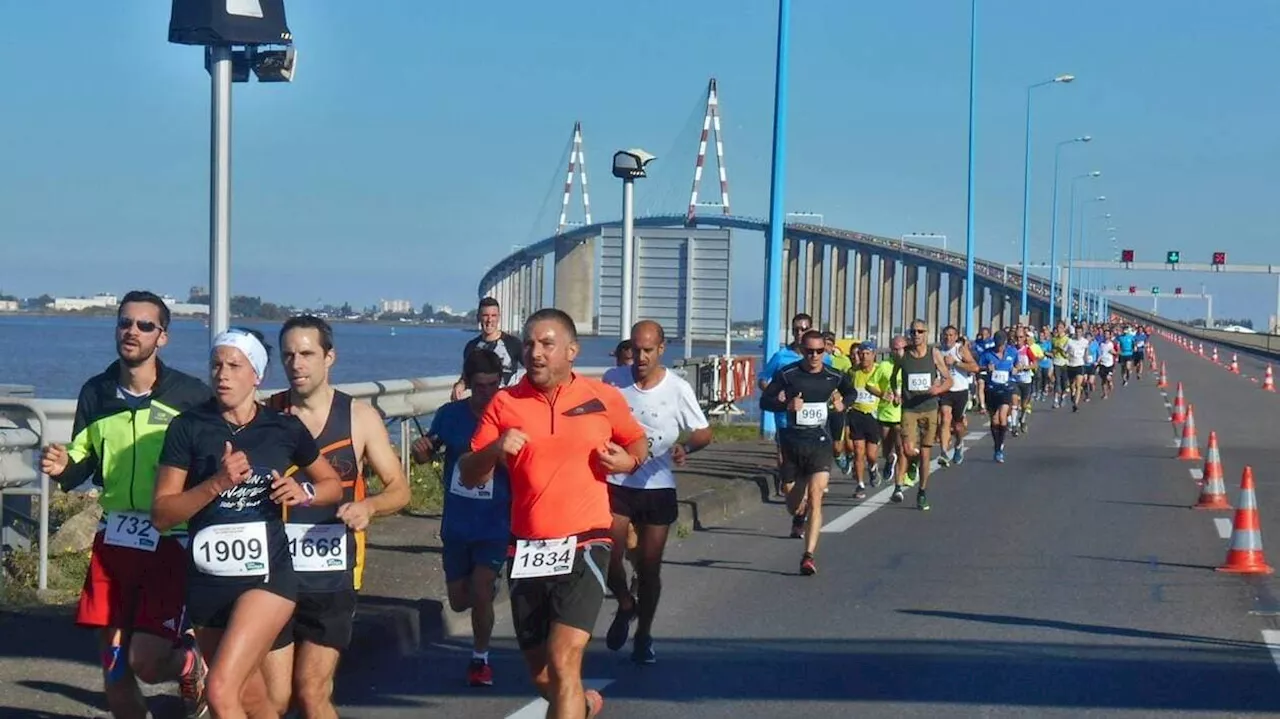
{"type": "Point", "coordinates": [960, 379]}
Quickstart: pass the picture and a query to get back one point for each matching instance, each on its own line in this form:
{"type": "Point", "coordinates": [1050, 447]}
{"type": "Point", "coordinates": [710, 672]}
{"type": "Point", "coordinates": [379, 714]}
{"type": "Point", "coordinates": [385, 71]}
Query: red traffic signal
{"type": "Point", "coordinates": [1177, 290]}
{"type": "Point", "coordinates": [1219, 258]}
{"type": "Point", "coordinates": [1133, 289]}
{"type": "Point", "coordinates": [1126, 255]}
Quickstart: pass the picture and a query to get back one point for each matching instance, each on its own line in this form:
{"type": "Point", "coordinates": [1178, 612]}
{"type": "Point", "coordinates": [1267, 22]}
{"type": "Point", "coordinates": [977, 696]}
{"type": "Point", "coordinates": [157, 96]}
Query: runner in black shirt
{"type": "Point", "coordinates": [221, 471]}
{"type": "Point", "coordinates": [509, 348]}
{"type": "Point", "coordinates": [802, 390]}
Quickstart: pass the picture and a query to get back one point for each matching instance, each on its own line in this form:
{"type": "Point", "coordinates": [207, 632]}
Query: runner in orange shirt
{"type": "Point", "coordinates": [559, 435]}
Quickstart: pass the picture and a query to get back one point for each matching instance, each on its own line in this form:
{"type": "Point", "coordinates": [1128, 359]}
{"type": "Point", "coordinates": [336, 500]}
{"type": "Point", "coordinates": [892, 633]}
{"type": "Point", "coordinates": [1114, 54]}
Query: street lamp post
{"type": "Point", "coordinates": [1071, 220]}
{"type": "Point", "coordinates": [1026, 183]}
{"type": "Point", "coordinates": [777, 184]}
{"type": "Point", "coordinates": [969, 287]}
{"type": "Point", "coordinates": [628, 165]}
{"type": "Point", "coordinates": [1084, 276]}
{"type": "Point", "coordinates": [1053, 235]}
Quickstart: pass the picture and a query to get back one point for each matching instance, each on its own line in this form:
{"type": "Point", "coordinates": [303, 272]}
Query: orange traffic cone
{"type": "Point", "coordinates": [1189, 449]}
{"type": "Point", "coordinates": [1235, 364]}
{"type": "Point", "coordinates": [1163, 380]}
{"type": "Point", "coordinates": [1201, 349]}
{"type": "Point", "coordinates": [1179, 407]}
{"type": "Point", "coordinates": [1214, 493]}
{"type": "Point", "coordinates": [1215, 355]}
{"type": "Point", "coordinates": [1268, 382]}
{"type": "Point", "coordinates": [1245, 554]}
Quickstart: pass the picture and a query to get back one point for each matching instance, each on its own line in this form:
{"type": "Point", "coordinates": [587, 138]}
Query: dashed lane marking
{"type": "Point", "coordinates": [537, 709]}
{"type": "Point", "coordinates": [1271, 637]}
{"type": "Point", "coordinates": [1196, 473]}
{"type": "Point", "coordinates": [1223, 526]}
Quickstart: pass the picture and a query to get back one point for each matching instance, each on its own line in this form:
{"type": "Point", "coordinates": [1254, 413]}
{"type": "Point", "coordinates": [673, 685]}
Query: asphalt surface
{"type": "Point", "coordinates": [1072, 580]}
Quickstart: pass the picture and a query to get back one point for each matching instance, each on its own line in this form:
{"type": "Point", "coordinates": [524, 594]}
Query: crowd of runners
{"type": "Point", "coordinates": [231, 549]}
{"type": "Point", "coordinates": [880, 419]}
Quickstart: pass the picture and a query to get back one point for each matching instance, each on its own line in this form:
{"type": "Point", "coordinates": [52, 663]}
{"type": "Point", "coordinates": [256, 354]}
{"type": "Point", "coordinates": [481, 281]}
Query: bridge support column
{"type": "Point", "coordinates": [839, 288]}
{"type": "Point", "coordinates": [539, 282]}
{"type": "Point", "coordinates": [910, 293]}
{"type": "Point", "coordinates": [791, 280]}
{"type": "Point", "coordinates": [813, 284]}
{"type": "Point", "coordinates": [955, 296]}
{"type": "Point", "coordinates": [575, 284]}
{"type": "Point", "coordinates": [862, 292]}
{"type": "Point", "coordinates": [932, 298]}
{"type": "Point", "coordinates": [888, 291]}
{"type": "Point", "coordinates": [980, 305]}
{"type": "Point", "coordinates": [998, 305]}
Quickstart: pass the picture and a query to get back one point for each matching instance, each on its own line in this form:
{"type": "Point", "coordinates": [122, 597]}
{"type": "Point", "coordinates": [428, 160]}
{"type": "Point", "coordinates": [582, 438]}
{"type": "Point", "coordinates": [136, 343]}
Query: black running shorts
{"type": "Point", "coordinates": [864, 427]}
{"type": "Point", "coordinates": [802, 460]}
{"type": "Point", "coordinates": [958, 401]}
{"type": "Point", "coordinates": [572, 599]}
{"type": "Point", "coordinates": [644, 506]}
{"type": "Point", "coordinates": [998, 395]}
{"type": "Point", "coordinates": [325, 618]}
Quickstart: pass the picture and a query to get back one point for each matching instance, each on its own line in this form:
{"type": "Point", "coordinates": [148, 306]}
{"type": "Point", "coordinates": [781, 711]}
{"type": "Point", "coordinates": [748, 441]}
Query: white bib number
{"type": "Point", "coordinates": [131, 529]}
{"type": "Point", "coordinates": [1025, 377]}
{"type": "Point", "coordinates": [812, 414]}
{"type": "Point", "coordinates": [919, 382]}
{"type": "Point", "coordinates": [865, 397]}
{"type": "Point", "coordinates": [232, 550]}
{"type": "Point", "coordinates": [318, 547]}
{"type": "Point", "coordinates": [999, 376]}
{"type": "Point", "coordinates": [484, 491]}
{"type": "Point", "coordinates": [543, 557]}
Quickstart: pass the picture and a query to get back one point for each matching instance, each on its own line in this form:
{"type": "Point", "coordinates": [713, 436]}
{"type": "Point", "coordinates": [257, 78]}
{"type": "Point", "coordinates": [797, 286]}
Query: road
{"type": "Point", "coordinates": [1073, 580]}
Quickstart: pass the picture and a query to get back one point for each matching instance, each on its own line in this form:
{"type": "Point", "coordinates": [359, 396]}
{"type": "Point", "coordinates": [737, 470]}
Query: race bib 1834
{"type": "Point", "coordinates": [131, 529]}
{"type": "Point", "coordinates": [543, 557]}
{"type": "Point", "coordinates": [232, 550]}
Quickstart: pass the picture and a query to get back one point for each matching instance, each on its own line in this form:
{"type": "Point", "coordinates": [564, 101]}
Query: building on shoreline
{"type": "Point", "coordinates": [106, 301]}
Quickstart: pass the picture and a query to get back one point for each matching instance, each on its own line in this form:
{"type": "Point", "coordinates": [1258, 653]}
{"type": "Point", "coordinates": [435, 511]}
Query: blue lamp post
{"type": "Point", "coordinates": [1026, 183]}
{"type": "Point", "coordinates": [777, 191]}
{"type": "Point", "coordinates": [969, 287]}
{"type": "Point", "coordinates": [1053, 235]}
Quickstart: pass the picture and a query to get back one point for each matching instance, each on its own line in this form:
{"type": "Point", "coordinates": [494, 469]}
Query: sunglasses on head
{"type": "Point", "coordinates": [125, 323]}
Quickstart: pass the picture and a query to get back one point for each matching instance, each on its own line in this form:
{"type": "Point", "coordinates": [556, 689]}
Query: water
{"type": "Point", "coordinates": [57, 354]}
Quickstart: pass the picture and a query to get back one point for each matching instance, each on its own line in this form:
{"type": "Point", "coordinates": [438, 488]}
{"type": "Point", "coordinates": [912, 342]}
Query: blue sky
{"type": "Point", "coordinates": [421, 139]}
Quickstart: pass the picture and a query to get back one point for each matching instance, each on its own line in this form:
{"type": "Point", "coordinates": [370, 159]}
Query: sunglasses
{"type": "Point", "coordinates": [814, 351]}
{"type": "Point", "coordinates": [799, 329]}
{"type": "Point", "coordinates": [147, 326]}
{"type": "Point", "coordinates": [918, 331]}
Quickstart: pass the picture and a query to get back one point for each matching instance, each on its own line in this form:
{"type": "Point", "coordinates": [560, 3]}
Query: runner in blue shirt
{"type": "Point", "coordinates": [476, 524]}
{"type": "Point", "coordinates": [788, 355]}
{"type": "Point", "coordinates": [999, 363]}
{"type": "Point", "coordinates": [1044, 369]}
{"type": "Point", "coordinates": [1140, 349]}
{"type": "Point", "coordinates": [1126, 341]}
{"type": "Point", "coordinates": [1091, 366]}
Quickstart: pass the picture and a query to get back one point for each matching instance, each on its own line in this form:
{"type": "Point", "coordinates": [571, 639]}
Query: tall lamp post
{"type": "Point", "coordinates": [777, 185]}
{"type": "Point", "coordinates": [969, 229]}
{"type": "Point", "coordinates": [1026, 183]}
{"type": "Point", "coordinates": [1053, 234]}
{"type": "Point", "coordinates": [628, 165]}
{"type": "Point", "coordinates": [1084, 276]}
{"type": "Point", "coordinates": [1066, 295]}
{"type": "Point", "coordinates": [234, 37]}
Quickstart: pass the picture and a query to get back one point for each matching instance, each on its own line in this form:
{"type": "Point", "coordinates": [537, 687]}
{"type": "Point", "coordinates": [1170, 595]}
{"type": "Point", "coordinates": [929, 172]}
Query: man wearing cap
{"type": "Point", "coordinates": [864, 428]}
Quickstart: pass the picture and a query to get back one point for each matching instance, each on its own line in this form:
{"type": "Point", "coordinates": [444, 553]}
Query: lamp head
{"type": "Point", "coordinates": [1064, 78]}
{"type": "Point", "coordinates": [1095, 173]}
{"type": "Point", "coordinates": [1100, 198]}
{"type": "Point", "coordinates": [630, 164]}
{"type": "Point", "coordinates": [1085, 138]}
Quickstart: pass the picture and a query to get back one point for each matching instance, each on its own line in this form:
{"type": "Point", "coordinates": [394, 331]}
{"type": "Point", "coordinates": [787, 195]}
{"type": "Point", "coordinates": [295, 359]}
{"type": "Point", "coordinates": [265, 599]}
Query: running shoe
{"type": "Point", "coordinates": [843, 463]}
{"type": "Point", "coordinates": [913, 472]}
{"type": "Point", "coordinates": [922, 500]}
{"type": "Point", "coordinates": [957, 457]}
{"type": "Point", "coordinates": [191, 686]}
{"type": "Point", "coordinates": [1000, 456]}
{"type": "Point", "coordinates": [807, 566]}
{"type": "Point", "coordinates": [874, 473]}
{"type": "Point", "coordinates": [642, 651]}
{"type": "Point", "coordinates": [943, 460]}
{"type": "Point", "coordinates": [860, 492]}
{"type": "Point", "coordinates": [479, 673]}
{"type": "Point", "coordinates": [621, 627]}
{"type": "Point", "coordinates": [797, 527]}
{"type": "Point", "coordinates": [595, 703]}
{"type": "Point", "coordinates": [896, 497]}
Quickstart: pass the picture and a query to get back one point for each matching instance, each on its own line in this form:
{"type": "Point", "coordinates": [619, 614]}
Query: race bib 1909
{"type": "Point", "coordinates": [919, 382]}
{"type": "Point", "coordinates": [543, 557]}
{"type": "Point", "coordinates": [484, 491]}
{"type": "Point", "coordinates": [232, 550]}
{"type": "Point", "coordinates": [812, 414]}
{"type": "Point", "coordinates": [318, 547]}
{"type": "Point", "coordinates": [131, 529]}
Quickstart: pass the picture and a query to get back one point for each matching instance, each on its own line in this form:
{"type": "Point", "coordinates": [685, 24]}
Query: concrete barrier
{"type": "Point", "coordinates": [1266, 345]}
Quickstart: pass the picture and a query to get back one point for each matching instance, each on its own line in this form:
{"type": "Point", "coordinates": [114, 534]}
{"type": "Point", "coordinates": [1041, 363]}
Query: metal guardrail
{"type": "Point", "coordinates": [1262, 344]}
{"type": "Point", "coordinates": [22, 424]}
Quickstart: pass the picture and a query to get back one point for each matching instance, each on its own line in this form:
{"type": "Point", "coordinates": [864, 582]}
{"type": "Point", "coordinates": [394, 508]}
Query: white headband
{"type": "Point", "coordinates": [248, 345]}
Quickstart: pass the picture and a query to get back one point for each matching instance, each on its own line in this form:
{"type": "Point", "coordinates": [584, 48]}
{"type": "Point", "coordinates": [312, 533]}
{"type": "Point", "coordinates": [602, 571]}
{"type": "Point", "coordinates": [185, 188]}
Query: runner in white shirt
{"type": "Point", "coordinates": [1077, 348]}
{"type": "Point", "coordinates": [665, 405]}
{"type": "Point", "coordinates": [1107, 352]}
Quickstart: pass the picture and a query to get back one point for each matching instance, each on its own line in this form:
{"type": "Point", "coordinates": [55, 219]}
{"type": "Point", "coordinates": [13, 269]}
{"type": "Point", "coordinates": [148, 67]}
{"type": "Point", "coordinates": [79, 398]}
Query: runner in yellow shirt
{"type": "Point", "coordinates": [889, 413]}
{"type": "Point", "coordinates": [864, 429]}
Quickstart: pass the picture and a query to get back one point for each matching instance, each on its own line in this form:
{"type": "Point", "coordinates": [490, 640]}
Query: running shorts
{"type": "Point", "coordinates": [864, 427]}
{"type": "Point", "coordinates": [958, 401]}
{"type": "Point", "coordinates": [802, 460]}
{"type": "Point", "coordinates": [326, 618]}
{"type": "Point", "coordinates": [1104, 371]}
{"type": "Point", "coordinates": [209, 604]}
{"type": "Point", "coordinates": [656, 507]}
{"type": "Point", "coordinates": [460, 558]}
{"type": "Point", "coordinates": [1090, 370]}
{"type": "Point", "coordinates": [1073, 372]}
{"type": "Point", "coordinates": [1024, 391]}
{"type": "Point", "coordinates": [572, 599]}
{"type": "Point", "coordinates": [998, 395]}
{"type": "Point", "coordinates": [1126, 359]}
{"type": "Point", "coordinates": [920, 428]}
{"type": "Point", "coordinates": [135, 589]}
{"type": "Point", "coordinates": [1139, 355]}
{"type": "Point", "coordinates": [836, 425]}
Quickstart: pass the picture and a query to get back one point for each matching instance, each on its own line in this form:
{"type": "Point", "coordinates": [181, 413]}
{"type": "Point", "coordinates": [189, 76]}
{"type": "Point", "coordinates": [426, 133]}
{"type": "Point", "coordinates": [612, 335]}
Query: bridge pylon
{"type": "Point", "coordinates": [710, 124]}
{"type": "Point", "coordinates": [577, 166]}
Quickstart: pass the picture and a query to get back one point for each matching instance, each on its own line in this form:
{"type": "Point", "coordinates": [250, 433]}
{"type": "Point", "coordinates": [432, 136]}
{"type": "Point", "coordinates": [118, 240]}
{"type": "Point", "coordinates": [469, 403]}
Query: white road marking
{"type": "Point", "coordinates": [974, 436]}
{"type": "Point", "coordinates": [1271, 637]}
{"type": "Point", "coordinates": [1224, 527]}
{"type": "Point", "coordinates": [1196, 473]}
{"type": "Point", "coordinates": [537, 709]}
{"type": "Point", "coordinates": [1176, 442]}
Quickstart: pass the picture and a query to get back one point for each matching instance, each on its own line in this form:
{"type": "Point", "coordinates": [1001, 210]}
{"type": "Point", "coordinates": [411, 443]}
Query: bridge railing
{"type": "Point", "coordinates": [22, 424]}
{"type": "Point", "coordinates": [1265, 344]}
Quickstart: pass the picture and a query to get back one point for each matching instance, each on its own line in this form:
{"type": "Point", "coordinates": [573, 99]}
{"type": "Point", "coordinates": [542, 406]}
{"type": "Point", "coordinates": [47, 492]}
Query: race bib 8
{"type": "Point", "coordinates": [456, 487]}
{"type": "Point", "coordinates": [131, 529]}
{"type": "Point", "coordinates": [812, 414]}
{"type": "Point", "coordinates": [543, 557]}
{"type": "Point", "coordinates": [232, 550]}
{"type": "Point", "coordinates": [1000, 376]}
{"type": "Point", "coordinates": [317, 547]}
{"type": "Point", "coordinates": [919, 382]}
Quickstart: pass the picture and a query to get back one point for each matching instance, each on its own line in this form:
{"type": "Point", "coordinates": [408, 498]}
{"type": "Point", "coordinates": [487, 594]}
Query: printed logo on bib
{"type": "Point", "coordinates": [484, 491]}
{"type": "Point", "coordinates": [1000, 376]}
{"type": "Point", "coordinates": [919, 382]}
{"type": "Point", "coordinates": [543, 557]}
{"type": "Point", "coordinates": [249, 493]}
{"type": "Point", "coordinates": [812, 414]}
{"type": "Point", "coordinates": [318, 547]}
{"type": "Point", "coordinates": [232, 550]}
{"type": "Point", "coordinates": [131, 529]}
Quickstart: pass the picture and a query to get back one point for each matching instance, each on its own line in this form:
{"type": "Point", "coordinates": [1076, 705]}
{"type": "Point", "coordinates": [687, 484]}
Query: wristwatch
{"type": "Point", "coordinates": [308, 489]}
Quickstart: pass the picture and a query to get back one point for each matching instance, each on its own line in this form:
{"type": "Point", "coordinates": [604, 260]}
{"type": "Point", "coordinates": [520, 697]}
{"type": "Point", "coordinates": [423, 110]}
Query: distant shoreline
{"type": "Point", "coordinates": [202, 319]}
